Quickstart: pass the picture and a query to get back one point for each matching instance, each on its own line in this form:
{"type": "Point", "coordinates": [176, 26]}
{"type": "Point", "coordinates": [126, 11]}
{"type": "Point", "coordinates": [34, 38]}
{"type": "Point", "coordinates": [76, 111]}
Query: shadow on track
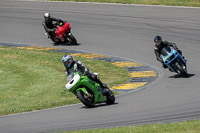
{"type": "Point", "coordinates": [100, 105]}
{"type": "Point", "coordinates": [65, 44]}
{"type": "Point", "coordinates": [181, 76]}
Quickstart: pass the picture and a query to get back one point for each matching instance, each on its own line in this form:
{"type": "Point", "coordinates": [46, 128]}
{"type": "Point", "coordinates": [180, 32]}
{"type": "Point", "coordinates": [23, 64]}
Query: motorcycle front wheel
{"type": "Point", "coordinates": [110, 98]}
{"type": "Point", "coordinates": [182, 68]}
{"type": "Point", "coordinates": [71, 39]}
{"type": "Point", "coordinates": [87, 100]}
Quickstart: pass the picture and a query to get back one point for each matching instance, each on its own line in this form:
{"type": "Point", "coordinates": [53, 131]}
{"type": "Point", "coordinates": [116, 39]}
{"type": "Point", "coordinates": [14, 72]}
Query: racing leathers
{"type": "Point", "coordinates": [79, 66]}
{"type": "Point", "coordinates": [50, 28]}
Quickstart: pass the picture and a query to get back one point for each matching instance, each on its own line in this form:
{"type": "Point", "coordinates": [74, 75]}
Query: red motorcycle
{"type": "Point", "coordinates": [63, 33]}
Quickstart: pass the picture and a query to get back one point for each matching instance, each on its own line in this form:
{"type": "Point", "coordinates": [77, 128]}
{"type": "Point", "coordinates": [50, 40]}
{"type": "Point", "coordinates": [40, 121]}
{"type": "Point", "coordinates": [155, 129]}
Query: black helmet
{"type": "Point", "coordinates": [158, 40]}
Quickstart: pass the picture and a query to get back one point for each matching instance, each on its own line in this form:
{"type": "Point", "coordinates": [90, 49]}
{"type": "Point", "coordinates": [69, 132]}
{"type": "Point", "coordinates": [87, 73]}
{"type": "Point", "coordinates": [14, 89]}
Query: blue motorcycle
{"type": "Point", "coordinates": [173, 59]}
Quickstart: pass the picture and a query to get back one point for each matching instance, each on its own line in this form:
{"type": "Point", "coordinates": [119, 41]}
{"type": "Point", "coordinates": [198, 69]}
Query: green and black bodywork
{"type": "Point", "coordinates": [88, 91]}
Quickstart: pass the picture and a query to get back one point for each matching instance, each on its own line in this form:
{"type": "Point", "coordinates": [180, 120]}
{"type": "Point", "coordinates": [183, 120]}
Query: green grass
{"type": "Point", "coordinates": [33, 80]}
{"type": "Point", "coordinates": [193, 3]}
{"type": "Point", "coordinates": [181, 127]}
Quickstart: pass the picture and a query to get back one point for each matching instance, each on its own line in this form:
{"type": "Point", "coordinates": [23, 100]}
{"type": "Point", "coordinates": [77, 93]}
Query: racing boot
{"type": "Point", "coordinates": [164, 66]}
{"type": "Point", "coordinates": [47, 35]}
{"type": "Point", "coordinates": [184, 58]}
{"type": "Point", "coordinates": [170, 70]}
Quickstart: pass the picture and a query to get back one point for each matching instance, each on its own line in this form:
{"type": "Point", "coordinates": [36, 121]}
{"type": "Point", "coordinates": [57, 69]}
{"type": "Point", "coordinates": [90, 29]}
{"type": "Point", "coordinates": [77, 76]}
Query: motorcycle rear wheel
{"type": "Point", "coordinates": [110, 98]}
{"type": "Point", "coordinates": [89, 102]}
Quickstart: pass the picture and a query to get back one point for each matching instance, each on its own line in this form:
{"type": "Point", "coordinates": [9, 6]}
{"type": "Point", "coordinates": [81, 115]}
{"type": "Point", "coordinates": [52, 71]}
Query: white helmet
{"type": "Point", "coordinates": [47, 15]}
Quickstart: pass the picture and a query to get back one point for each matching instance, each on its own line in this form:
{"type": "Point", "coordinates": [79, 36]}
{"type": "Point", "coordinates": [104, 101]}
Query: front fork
{"type": "Point", "coordinates": [66, 35]}
{"type": "Point", "coordinates": [83, 90]}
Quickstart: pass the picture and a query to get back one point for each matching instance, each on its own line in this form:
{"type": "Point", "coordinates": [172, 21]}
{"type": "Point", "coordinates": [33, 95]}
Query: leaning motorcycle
{"type": "Point", "coordinates": [173, 59]}
{"type": "Point", "coordinates": [87, 91]}
{"type": "Point", "coordinates": [62, 34]}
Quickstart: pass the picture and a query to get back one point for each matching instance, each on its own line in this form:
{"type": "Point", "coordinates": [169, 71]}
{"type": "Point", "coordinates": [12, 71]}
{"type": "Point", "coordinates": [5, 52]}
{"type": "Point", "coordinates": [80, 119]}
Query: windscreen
{"type": "Point", "coordinates": [165, 51]}
{"type": "Point", "coordinates": [70, 77]}
{"type": "Point", "coordinates": [60, 23]}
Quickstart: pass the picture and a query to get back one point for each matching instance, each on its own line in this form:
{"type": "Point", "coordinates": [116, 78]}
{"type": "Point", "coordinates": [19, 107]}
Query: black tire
{"type": "Point", "coordinates": [71, 39]}
{"type": "Point", "coordinates": [110, 98]}
{"type": "Point", "coordinates": [181, 68]}
{"type": "Point", "coordinates": [54, 38]}
{"type": "Point", "coordinates": [89, 102]}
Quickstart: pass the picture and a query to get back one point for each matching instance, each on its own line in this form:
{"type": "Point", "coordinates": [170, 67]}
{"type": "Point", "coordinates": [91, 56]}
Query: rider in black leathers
{"type": "Point", "coordinates": [159, 45]}
{"type": "Point", "coordinates": [77, 65]}
{"type": "Point", "coordinates": [49, 27]}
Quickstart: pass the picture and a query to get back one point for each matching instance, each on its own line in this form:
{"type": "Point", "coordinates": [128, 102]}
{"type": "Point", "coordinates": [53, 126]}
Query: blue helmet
{"type": "Point", "coordinates": [67, 60]}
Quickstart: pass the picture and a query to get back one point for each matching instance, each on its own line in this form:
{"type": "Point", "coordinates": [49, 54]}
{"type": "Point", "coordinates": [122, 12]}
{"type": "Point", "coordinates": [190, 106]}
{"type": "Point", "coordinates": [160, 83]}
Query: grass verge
{"type": "Point", "coordinates": [181, 127]}
{"type": "Point", "coordinates": [192, 3]}
{"type": "Point", "coordinates": [33, 80]}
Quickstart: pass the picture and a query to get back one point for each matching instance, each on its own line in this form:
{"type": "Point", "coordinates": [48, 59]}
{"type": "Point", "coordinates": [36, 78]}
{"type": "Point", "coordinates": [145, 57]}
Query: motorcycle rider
{"type": "Point", "coordinates": [159, 45]}
{"type": "Point", "coordinates": [49, 27]}
{"type": "Point", "coordinates": [77, 65]}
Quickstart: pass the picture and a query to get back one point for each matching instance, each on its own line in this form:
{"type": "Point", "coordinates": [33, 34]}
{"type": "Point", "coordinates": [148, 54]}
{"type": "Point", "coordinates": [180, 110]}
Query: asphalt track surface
{"type": "Point", "coordinates": [119, 30]}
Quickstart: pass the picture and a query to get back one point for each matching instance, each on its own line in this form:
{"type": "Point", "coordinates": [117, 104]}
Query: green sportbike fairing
{"type": "Point", "coordinates": [87, 91]}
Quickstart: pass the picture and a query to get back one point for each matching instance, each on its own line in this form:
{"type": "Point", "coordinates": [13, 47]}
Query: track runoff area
{"type": "Point", "coordinates": [140, 73]}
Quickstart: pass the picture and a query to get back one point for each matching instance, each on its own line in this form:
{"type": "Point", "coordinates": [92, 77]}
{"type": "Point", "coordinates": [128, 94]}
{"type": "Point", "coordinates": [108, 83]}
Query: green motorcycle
{"type": "Point", "coordinates": [87, 91]}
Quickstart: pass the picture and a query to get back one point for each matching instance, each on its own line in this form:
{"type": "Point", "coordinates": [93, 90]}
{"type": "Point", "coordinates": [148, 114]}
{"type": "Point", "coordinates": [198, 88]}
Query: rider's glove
{"type": "Point", "coordinates": [85, 73]}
